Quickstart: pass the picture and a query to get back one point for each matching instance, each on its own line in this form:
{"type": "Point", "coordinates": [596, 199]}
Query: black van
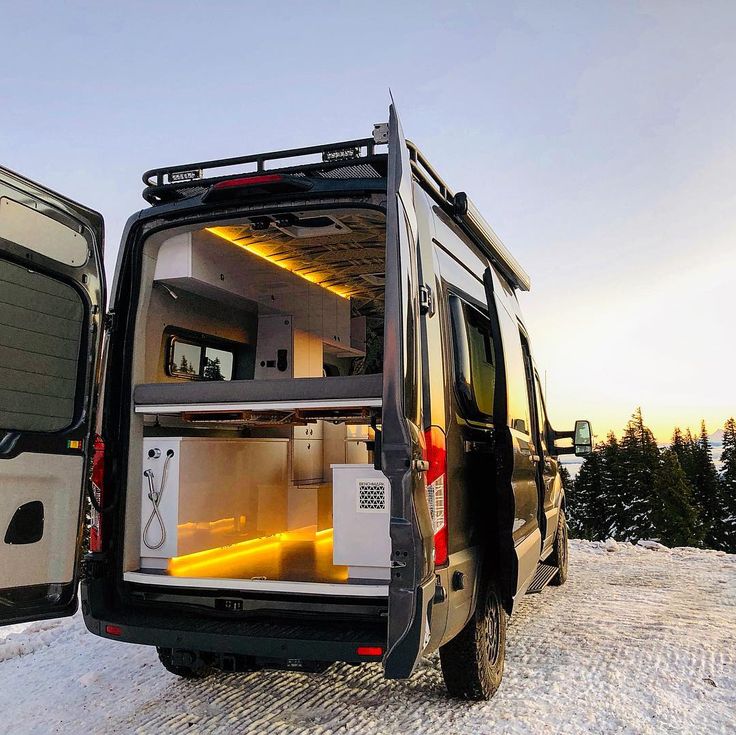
{"type": "Point", "coordinates": [309, 427]}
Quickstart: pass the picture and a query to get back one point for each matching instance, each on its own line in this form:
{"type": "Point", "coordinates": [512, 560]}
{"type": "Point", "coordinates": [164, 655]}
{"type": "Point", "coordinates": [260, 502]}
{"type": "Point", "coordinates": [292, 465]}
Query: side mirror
{"type": "Point", "coordinates": [583, 438]}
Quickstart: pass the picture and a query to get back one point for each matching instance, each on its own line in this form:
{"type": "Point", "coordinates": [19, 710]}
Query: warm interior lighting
{"type": "Point", "coordinates": [263, 557]}
{"type": "Point", "coordinates": [252, 248]}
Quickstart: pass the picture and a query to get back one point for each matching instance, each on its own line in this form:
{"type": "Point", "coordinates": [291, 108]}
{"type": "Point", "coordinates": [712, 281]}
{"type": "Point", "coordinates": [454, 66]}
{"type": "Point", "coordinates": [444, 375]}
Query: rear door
{"type": "Point", "coordinates": [52, 296]}
{"type": "Point", "coordinates": [412, 581]}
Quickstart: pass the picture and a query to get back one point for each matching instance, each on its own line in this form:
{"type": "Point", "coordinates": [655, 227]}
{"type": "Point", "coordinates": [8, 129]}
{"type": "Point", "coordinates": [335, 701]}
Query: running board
{"type": "Point", "coordinates": [542, 577]}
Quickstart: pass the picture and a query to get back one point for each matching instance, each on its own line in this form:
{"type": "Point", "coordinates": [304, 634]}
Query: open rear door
{"type": "Point", "coordinates": [412, 580]}
{"type": "Point", "coordinates": [52, 296]}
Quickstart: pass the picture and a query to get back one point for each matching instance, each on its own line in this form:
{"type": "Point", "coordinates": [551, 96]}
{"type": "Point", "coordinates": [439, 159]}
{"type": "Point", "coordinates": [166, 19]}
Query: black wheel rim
{"type": "Point", "coordinates": [492, 638]}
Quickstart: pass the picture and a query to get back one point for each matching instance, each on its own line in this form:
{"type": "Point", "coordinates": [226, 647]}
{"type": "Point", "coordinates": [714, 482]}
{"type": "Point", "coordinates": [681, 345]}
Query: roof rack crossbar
{"type": "Point", "coordinates": [156, 176]}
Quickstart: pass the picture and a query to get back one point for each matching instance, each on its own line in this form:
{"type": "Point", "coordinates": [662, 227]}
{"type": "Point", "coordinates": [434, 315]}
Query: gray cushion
{"type": "Point", "coordinates": [247, 391]}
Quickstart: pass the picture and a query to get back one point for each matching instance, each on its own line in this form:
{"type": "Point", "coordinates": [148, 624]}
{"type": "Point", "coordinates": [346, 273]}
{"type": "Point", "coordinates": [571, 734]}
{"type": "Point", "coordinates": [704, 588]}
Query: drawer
{"type": "Point", "coordinates": [310, 431]}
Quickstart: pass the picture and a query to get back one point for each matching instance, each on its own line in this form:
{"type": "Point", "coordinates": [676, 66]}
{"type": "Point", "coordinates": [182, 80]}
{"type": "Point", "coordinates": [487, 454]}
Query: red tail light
{"type": "Point", "coordinates": [435, 452]}
{"type": "Point", "coordinates": [369, 651]}
{"type": "Point", "coordinates": [249, 181]}
{"type": "Point", "coordinates": [98, 491]}
{"type": "Point", "coordinates": [256, 185]}
{"type": "Point", "coordinates": [113, 630]}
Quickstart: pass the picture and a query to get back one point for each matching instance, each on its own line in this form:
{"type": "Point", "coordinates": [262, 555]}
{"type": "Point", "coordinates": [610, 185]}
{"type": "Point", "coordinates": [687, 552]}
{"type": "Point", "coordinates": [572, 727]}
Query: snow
{"type": "Point", "coordinates": [637, 642]}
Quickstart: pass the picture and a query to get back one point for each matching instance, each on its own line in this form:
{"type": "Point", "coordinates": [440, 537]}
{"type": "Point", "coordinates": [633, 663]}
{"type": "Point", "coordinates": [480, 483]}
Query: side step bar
{"type": "Point", "coordinates": [542, 577]}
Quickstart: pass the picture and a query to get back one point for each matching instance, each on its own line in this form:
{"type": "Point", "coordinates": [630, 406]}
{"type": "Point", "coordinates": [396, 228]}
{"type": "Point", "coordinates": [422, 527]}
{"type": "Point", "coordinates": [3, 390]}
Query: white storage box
{"type": "Point", "coordinates": [361, 512]}
{"type": "Point", "coordinates": [217, 492]}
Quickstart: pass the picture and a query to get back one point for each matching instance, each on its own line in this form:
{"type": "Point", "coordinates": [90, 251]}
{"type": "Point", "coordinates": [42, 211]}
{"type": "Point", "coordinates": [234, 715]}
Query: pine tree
{"type": "Point", "coordinates": [582, 498]}
{"type": "Point", "coordinates": [639, 462]}
{"type": "Point", "coordinates": [683, 447]}
{"type": "Point", "coordinates": [706, 486]}
{"type": "Point", "coordinates": [611, 515]}
{"type": "Point", "coordinates": [565, 479]}
{"type": "Point", "coordinates": [674, 515]}
{"type": "Point", "coordinates": [212, 370]}
{"type": "Point", "coordinates": [728, 485]}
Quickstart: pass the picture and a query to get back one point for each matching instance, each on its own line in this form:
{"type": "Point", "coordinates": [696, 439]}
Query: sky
{"type": "Point", "coordinates": [599, 140]}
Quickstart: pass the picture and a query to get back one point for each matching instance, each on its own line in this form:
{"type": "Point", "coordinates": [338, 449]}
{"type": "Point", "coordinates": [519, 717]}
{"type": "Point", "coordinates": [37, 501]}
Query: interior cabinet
{"type": "Point", "coordinates": [307, 463]}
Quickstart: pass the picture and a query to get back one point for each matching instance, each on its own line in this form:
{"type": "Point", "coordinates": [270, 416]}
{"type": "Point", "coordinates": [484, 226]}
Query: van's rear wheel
{"type": "Point", "coordinates": [472, 662]}
{"type": "Point", "coordinates": [187, 664]}
{"type": "Point", "coordinates": [560, 551]}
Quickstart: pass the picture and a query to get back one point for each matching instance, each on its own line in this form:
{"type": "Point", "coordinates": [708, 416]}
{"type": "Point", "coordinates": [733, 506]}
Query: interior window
{"type": "Point", "coordinates": [475, 362]}
{"type": "Point", "coordinates": [197, 360]}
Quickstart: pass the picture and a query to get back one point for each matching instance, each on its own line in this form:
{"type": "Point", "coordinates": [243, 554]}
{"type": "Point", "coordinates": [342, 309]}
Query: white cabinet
{"type": "Point", "coordinates": [361, 508]}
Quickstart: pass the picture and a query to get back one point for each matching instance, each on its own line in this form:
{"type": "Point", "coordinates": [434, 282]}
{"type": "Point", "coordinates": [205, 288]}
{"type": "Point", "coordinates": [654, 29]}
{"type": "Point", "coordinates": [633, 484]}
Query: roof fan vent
{"type": "Point", "coordinates": [302, 226]}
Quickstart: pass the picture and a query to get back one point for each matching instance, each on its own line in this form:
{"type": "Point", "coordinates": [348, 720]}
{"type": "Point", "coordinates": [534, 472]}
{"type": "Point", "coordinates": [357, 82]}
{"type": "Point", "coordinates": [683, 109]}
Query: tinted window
{"type": "Point", "coordinates": [516, 381]}
{"type": "Point", "coordinates": [541, 416]}
{"type": "Point", "coordinates": [41, 322]}
{"type": "Point", "coordinates": [475, 362]}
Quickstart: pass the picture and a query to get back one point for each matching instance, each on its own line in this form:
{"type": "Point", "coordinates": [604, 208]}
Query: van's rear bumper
{"type": "Point", "coordinates": [308, 640]}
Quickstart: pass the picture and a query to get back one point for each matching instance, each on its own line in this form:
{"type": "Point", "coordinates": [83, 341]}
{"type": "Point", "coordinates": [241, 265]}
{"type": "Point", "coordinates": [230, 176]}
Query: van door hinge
{"type": "Point", "coordinates": [108, 321]}
{"type": "Point", "coordinates": [426, 300]}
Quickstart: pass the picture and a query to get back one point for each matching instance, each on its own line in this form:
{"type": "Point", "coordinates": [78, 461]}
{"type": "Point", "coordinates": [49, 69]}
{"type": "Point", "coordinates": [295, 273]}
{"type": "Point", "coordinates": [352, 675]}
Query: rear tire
{"type": "Point", "coordinates": [197, 669]}
{"type": "Point", "coordinates": [560, 552]}
{"type": "Point", "coordinates": [472, 662]}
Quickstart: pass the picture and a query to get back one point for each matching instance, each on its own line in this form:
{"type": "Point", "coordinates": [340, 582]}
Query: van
{"type": "Point", "coordinates": [308, 428]}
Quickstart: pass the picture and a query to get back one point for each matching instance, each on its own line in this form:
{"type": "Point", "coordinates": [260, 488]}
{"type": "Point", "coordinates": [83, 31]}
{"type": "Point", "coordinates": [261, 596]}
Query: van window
{"type": "Point", "coordinates": [541, 414]}
{"type": "Point", "coordinates": [198, 359]}
{"type": "Point", "coordinates": [42, 326]}
{"type": "Point", "coordinates": [516, 382]}
{"type": "Point", "coordinates": [475, 361]}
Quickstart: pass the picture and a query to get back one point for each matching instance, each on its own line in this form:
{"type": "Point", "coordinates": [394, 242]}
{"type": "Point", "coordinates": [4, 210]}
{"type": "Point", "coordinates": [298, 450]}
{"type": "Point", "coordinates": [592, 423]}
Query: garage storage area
{"type": "Point", "coordinates": [258, 407]}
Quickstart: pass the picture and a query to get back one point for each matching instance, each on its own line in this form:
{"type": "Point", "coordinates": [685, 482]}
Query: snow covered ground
{"type": "Point", "coordinates": [640, 640]}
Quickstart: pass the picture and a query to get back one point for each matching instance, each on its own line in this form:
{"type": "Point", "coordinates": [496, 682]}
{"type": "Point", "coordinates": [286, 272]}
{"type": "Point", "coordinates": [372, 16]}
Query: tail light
{"type": "Point", "coordinates": [435, 453]}
{"type": "Point", "coordinates": [253, 186]}
{"type": "Point", "coordinates": [372, 651]}
{"type": "Point", "coordinates": [98, 493]}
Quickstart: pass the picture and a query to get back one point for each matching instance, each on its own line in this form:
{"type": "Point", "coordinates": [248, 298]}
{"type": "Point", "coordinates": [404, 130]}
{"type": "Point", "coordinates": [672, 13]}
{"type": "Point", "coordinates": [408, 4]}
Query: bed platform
{"type": "Point", "coordinates": [355, 392]}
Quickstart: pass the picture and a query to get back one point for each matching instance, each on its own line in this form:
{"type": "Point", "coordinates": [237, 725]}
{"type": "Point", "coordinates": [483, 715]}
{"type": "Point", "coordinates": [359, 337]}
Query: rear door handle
{"type": "Point", "coordinates": [480, 447]}
{"type": "Point", "coordinates": [7, 444]}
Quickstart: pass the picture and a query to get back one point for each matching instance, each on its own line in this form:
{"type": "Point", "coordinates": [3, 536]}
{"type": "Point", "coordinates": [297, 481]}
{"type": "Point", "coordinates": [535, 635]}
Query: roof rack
{"type": "Point", "coordinates": [466, 214]}
{"type": "Point", "coordinates": [356, 157]}
{"type": "Point", "coordinates": [347, 159]}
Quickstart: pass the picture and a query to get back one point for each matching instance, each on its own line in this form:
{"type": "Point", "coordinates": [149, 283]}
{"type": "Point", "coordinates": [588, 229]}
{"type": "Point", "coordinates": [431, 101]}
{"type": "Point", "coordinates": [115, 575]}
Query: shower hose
{"type": "Point", "coordinates": [155, 497]}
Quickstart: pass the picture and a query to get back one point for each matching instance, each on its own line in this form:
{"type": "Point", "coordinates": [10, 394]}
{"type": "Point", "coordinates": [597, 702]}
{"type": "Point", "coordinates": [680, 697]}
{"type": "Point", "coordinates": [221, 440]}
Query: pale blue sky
{"type": "Point", "coordinates": [597, 138]}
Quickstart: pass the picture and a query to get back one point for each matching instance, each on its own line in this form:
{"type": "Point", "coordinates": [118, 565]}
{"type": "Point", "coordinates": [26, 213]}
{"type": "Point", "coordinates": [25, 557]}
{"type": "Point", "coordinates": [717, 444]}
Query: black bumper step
{"type": "Point", "coordinates": [542, 577]}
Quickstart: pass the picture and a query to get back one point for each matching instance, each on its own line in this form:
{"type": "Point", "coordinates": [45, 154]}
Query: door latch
{"type": "Point", "coordinates": [426, 300]}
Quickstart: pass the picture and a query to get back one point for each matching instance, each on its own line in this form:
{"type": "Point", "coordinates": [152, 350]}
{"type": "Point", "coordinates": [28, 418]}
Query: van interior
{"type": "Point", "coordinates": [256, 401]}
